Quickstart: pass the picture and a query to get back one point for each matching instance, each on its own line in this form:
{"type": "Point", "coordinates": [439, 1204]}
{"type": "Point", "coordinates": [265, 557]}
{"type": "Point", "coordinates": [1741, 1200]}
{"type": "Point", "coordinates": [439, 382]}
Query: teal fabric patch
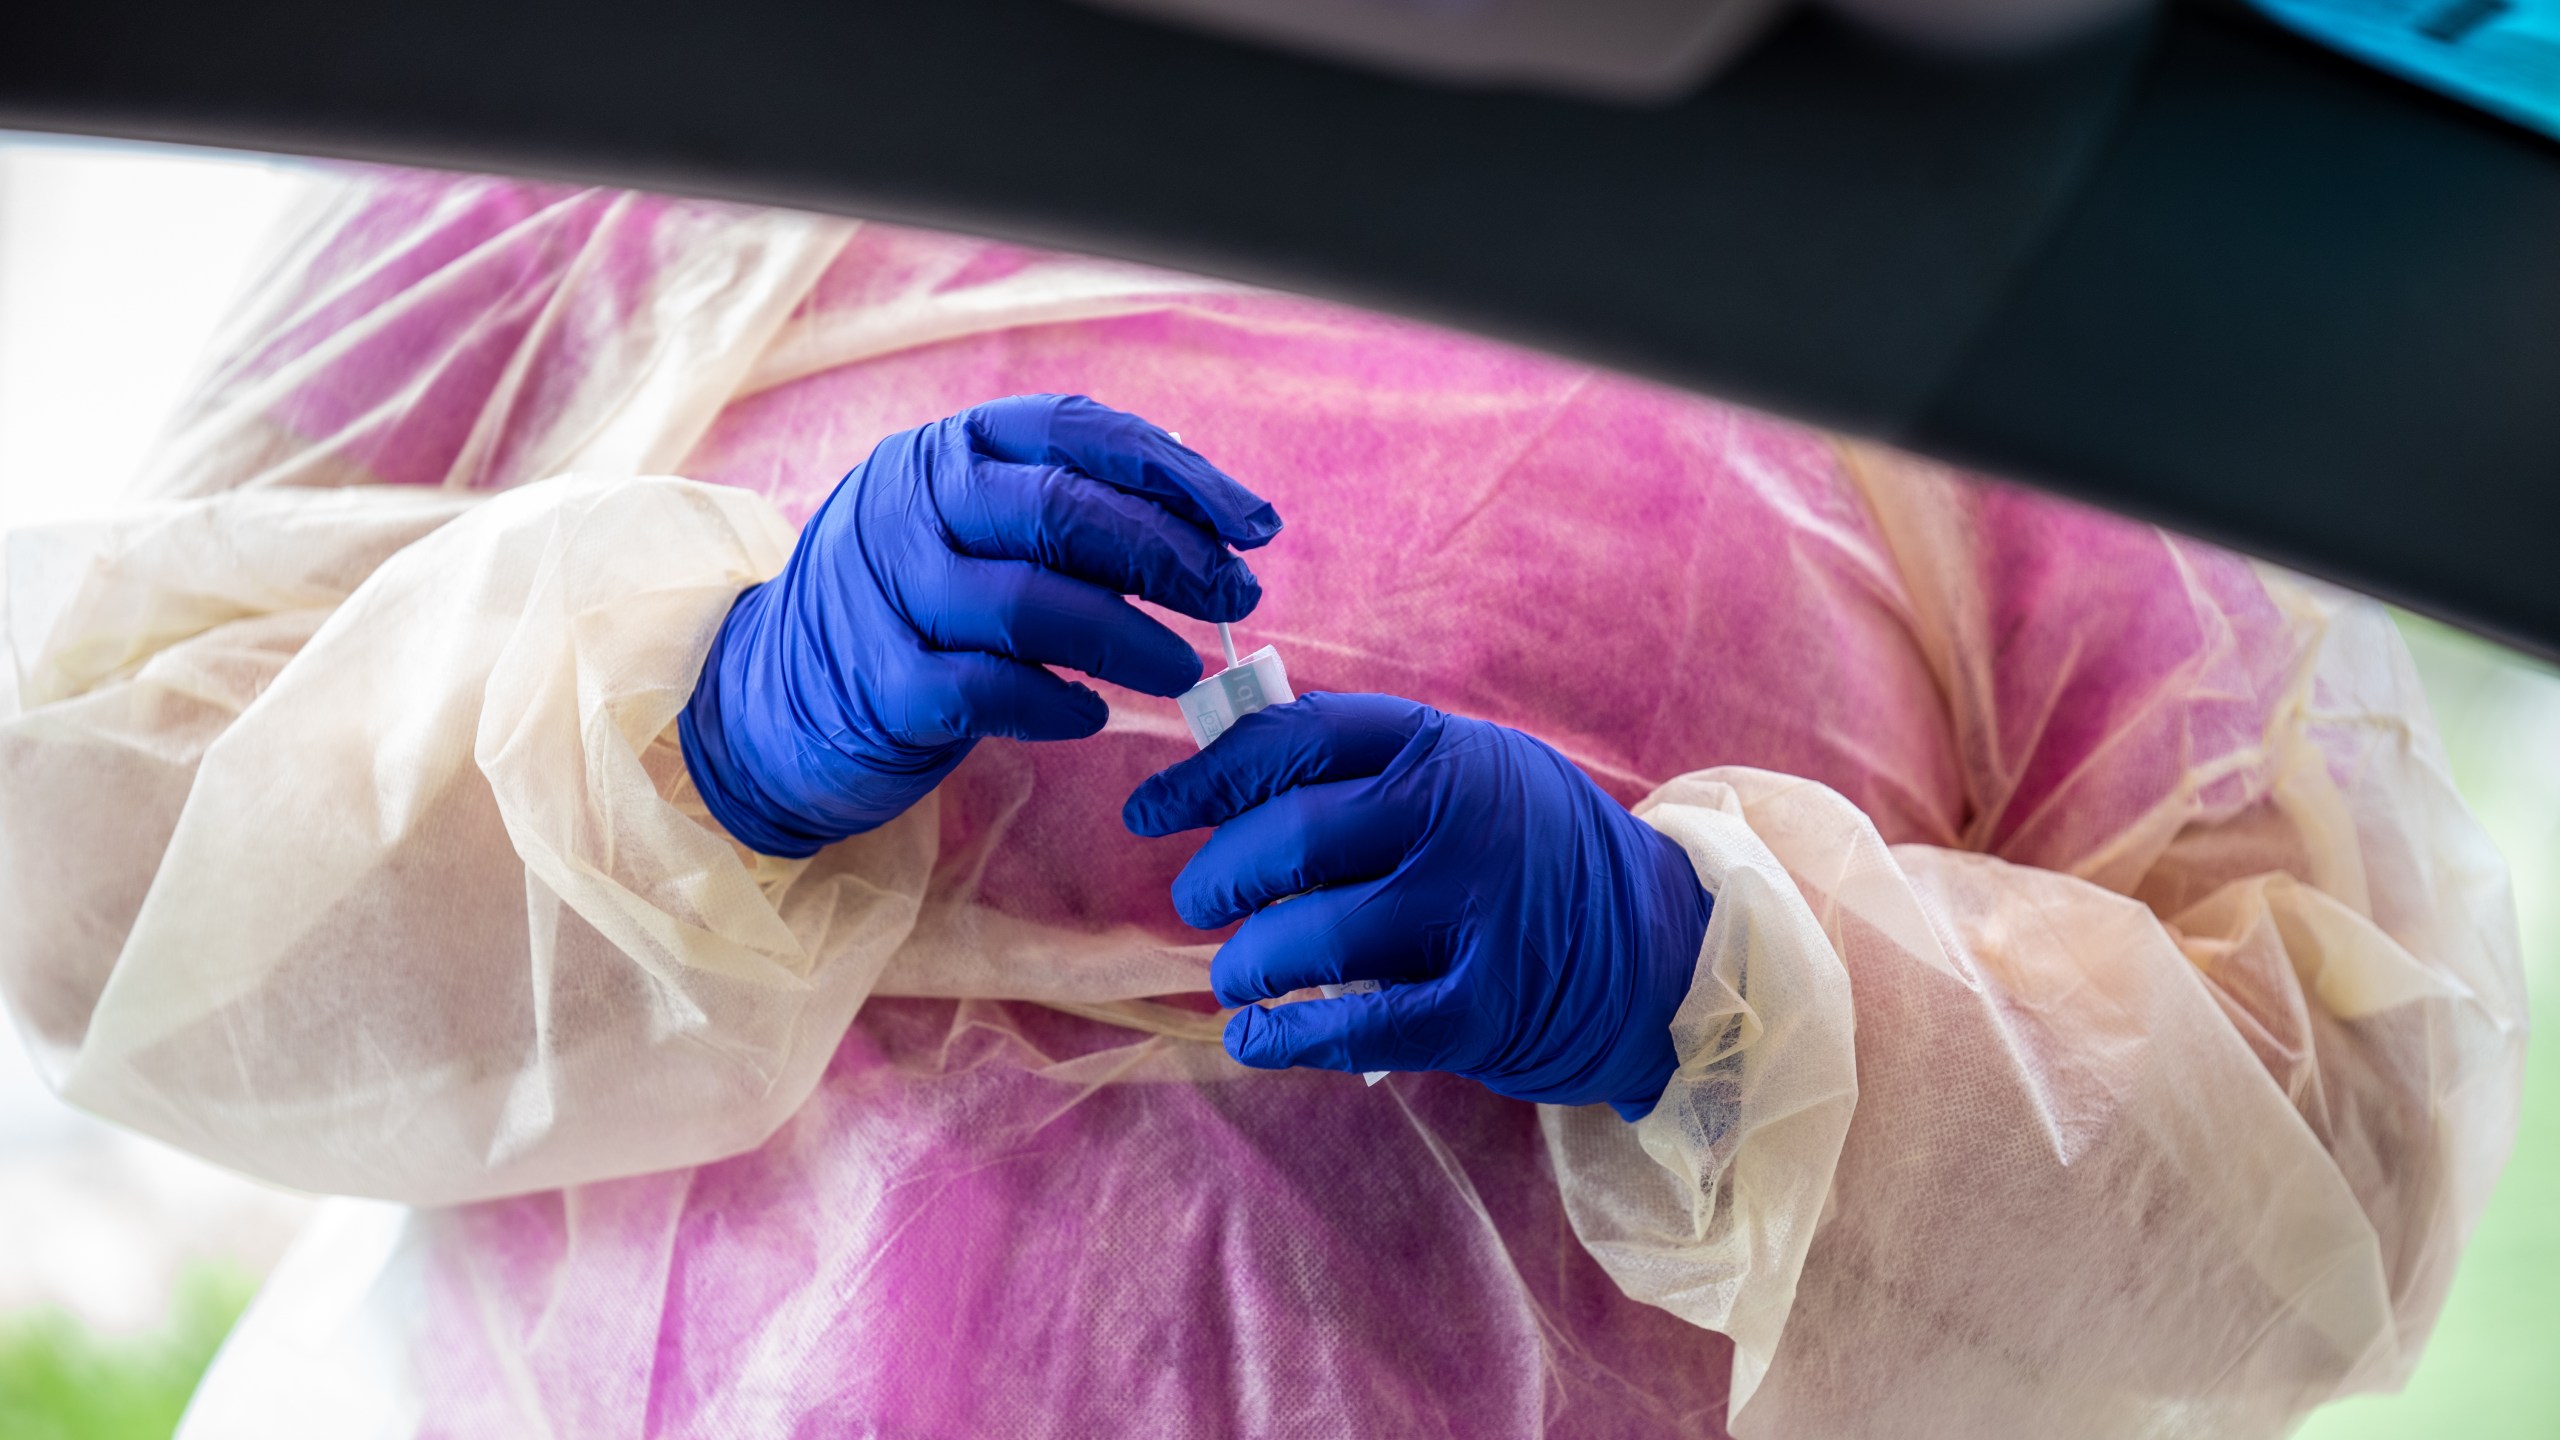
{"type": "Point", "coordinates": [2500, 55]}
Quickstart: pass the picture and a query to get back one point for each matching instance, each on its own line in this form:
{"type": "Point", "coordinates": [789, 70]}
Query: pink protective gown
{"type": "Point", "coordinates": [2118, 1036]}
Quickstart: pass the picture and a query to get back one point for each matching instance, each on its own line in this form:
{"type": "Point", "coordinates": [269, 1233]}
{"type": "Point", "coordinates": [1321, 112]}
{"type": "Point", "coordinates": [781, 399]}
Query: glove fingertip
{"type": "Point", "coordinates": [1170, 674]}
{"type": "Point", "coordinates": [1138, 813]}
{"type": "Point", "coordinates": [1235, 595]}
{"type": "Point", "coordinates": [1090, 708]}
{"type": "Point", "coordinates": [1255, 529]}
{"type": "Point", "coordinates": [1199, 911]}
{"type": "Point", "coordinates": [1248, 1039]}
{"type": "Point", "coordinates": [1159, 806]}
{"type": "Point", "coordinates": [1071, 712]}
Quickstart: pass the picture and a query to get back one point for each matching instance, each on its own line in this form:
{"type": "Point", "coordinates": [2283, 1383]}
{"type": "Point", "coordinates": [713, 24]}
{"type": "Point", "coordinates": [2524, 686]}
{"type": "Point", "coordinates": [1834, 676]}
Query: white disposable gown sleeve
{"type": "Point", "coordinates": [1962, 1147]}
{"type": "Point", "coordinates": [346, 843]}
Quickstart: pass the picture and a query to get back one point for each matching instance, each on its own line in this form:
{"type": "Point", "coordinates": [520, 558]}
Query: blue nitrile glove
{"type": "Point", "coordinates": [1532, 934]}
{"type": "Point", "coordinates": [927, 593]}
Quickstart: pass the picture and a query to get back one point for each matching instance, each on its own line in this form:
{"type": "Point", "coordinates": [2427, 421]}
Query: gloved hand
{"type": "Point", "coordinates": [1532, 934]}
{"type": "Point", "coordinates": [927, 593]}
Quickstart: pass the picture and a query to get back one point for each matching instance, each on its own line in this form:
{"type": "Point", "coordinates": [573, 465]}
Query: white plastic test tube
{"type": "Point", "coordinates": [1249, 683]}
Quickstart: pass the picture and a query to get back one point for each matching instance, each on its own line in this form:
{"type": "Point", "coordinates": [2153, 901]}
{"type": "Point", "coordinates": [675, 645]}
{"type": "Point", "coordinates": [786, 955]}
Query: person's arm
{"type": "Point", "coordinates": [2248, 754]}
{"type": "Point", "coordinates": [134, 644]}
{"type": "Point", "coordinates": [440, 900]}
{"type": "Point", "coordinates": [265, 891]}
{"type": "Point", "coordinates": [2113, 1163]}
{"type": "Point", "coordinates": [415, 901]}
{"type": "Point", "coordinates": [1954, 1142]}
{"type": "Point", "coordinates": [1530, 933]}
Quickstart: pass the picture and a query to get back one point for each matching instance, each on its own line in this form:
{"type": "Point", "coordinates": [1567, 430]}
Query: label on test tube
{"type": "Point", "coordinates": [1212, 707]}
{"type": "Point", "coordinates": [1355, 987]}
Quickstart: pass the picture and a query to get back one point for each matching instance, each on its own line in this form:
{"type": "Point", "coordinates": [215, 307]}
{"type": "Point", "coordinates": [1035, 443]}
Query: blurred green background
{"type": "Point", "coordinates": [2492, 1372]}
{"type": "Point", "coordinates": [61, 1380]}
